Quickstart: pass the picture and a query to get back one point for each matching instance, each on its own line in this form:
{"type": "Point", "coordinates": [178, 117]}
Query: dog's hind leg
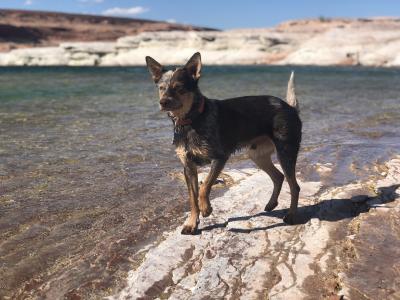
{"type": "Point", "coordinates": [204, 195]}
{"type": "Point", "coordinates": [265, 164]}
{"type": "Point", "coordinates": [287, 155]}
{"type": "Point", "coordinates": [260, 153]}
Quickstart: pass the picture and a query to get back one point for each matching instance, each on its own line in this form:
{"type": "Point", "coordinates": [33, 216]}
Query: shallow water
{"type": "Point", "coordinates": [87, 166]}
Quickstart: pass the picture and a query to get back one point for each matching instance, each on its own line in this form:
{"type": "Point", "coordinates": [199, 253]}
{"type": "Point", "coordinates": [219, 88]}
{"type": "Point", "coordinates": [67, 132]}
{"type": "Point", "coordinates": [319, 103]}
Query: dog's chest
{"type": "Point", "coordinates": [193, 146]}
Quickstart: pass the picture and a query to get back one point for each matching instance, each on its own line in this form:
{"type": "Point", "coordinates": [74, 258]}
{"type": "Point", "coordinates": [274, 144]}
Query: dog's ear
{"type": "Point", "coordinates": [155, 68]}
{"type": "Point", "coordinates": [194, 66]}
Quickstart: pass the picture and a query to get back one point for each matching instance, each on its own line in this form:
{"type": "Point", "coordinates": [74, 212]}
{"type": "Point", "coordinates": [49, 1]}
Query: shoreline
{"type": "Point", "coordinates": [350, 67]}
{"type": "Point", "coordinates": [242, 251]}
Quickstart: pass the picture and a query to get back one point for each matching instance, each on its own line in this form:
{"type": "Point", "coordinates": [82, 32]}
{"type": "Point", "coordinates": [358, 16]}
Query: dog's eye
{"type": "Point", "coordinates": [162, 88]}
{"type": "Point", "coordinates": [178, 87]}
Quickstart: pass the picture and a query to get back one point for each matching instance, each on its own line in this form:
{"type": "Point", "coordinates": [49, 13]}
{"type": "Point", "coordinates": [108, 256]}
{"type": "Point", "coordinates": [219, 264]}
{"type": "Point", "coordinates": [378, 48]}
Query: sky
{"type": "Point", "coordinates": [221, 14]}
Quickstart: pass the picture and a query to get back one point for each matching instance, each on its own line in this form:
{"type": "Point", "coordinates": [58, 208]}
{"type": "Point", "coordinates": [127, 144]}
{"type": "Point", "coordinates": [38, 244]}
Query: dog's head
{"type": "Point", "coordinates": [177, 88]}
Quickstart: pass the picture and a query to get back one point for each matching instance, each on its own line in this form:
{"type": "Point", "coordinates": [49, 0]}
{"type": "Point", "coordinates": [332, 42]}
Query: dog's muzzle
{"type": "Point", "coordinates": [167, 103]}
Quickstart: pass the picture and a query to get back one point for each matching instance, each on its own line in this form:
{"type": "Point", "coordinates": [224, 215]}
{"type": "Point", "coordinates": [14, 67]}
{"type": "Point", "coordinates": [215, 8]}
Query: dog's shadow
{"type": "Point", "coordinates": [331, 210]}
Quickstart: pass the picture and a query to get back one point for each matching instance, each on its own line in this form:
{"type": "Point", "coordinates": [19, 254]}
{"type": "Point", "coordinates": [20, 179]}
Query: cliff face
{"type": "Point", "coordinates": [22, 29]}
{"type": "Point", "coordinates": [369, 42]}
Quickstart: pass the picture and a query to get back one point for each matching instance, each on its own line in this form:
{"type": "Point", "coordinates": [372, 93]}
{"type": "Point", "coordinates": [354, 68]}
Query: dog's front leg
{"type": "Point", "coordinates": [190, 171]}
{"type": "Point", "coordinates": [204, 196]}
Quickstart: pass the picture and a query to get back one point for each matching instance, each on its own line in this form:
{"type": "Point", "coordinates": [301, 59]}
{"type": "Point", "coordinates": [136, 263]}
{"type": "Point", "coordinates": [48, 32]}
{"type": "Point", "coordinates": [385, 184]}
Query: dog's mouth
{"type": "Point", "coordinates": [170, 106]}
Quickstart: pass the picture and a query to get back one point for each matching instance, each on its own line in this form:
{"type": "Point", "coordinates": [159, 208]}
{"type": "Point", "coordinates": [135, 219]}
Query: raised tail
{"type": "Point", "coordinates": [291, 98]}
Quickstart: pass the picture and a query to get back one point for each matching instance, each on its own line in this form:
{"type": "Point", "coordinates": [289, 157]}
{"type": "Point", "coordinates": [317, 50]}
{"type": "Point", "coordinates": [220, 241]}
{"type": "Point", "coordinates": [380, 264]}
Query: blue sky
{"type": "Point", "coordinates": [223, 14]}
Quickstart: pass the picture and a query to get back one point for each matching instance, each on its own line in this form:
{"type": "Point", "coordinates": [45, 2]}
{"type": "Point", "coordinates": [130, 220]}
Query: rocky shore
{"type": "Point", "coordinates": [346, 245]}
{"type": "Point", "coordinates": [367, 42]}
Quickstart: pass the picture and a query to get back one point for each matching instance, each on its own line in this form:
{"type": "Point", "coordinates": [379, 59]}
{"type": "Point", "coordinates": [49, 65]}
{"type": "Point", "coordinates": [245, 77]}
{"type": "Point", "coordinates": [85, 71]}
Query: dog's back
{"type": "Point", "coordinates": [243, 119]}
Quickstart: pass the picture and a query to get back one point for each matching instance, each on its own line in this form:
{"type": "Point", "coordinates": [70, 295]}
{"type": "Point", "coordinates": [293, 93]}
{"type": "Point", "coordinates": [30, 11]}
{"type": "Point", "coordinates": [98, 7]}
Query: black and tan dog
{"type": "Point", "coordinates": [209, 131]}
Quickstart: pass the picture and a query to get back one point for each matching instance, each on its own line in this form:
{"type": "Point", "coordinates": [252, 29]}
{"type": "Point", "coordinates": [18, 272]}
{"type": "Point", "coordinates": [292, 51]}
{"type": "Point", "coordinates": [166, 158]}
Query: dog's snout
{"type": "Point", "coordinates": [165, 101]}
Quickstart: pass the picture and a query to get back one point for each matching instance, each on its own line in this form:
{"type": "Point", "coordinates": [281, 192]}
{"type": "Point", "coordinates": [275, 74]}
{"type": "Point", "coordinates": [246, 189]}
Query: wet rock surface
{"type": "Point", "coordinates": [242, 252]}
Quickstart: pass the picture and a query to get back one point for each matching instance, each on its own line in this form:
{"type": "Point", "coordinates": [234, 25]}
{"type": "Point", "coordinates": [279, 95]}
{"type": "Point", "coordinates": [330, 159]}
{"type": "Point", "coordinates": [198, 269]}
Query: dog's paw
{"type": "Point", "coordinates": [187, 229]}
{"type": "Point", "coordinates": [205, 212]}
{"type": "Point", "coordinates": [289, 219]}
{"type": "Point", "coordinates": [270, 206]}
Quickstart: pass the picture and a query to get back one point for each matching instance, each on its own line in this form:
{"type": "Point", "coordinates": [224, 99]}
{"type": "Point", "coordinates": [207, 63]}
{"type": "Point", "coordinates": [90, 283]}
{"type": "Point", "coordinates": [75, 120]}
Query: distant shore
{"type": "Point", "coordinates": [365, 42]}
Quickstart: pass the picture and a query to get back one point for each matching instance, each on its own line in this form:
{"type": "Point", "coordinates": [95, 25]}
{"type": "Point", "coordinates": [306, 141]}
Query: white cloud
{"type": "Point", "coordinates": [130, 11]}
{"type": "Point", "coordinates": [173, 21]}
{"type": "Point", "coordinates": [91, 1]}
{"type": "Point", "coordinates": [28, 2]}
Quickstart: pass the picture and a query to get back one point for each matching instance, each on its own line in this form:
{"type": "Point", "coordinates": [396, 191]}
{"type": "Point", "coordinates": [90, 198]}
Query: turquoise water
{"type": "Point", "coordinates": [88, 172]}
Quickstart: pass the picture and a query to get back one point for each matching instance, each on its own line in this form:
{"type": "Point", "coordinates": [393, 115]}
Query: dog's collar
{"type": "Point", "coordinates": [182, 122]}
{"type": "Point", "coordinates": [188, 121]}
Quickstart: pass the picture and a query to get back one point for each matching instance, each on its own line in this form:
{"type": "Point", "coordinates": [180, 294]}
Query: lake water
{"type": "Point", "coordinates": [88, 172]}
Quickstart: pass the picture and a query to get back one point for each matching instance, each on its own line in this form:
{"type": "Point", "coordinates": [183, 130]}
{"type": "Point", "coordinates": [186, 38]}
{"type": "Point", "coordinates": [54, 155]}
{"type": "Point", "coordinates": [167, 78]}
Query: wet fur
{"type": "Point", "coordinates": [263, 124]}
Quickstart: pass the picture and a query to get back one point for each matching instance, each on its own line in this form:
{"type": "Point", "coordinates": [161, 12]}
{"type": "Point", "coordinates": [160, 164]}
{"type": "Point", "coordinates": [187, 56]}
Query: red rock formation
{"type": "Point", "coordinates": [21, 29]}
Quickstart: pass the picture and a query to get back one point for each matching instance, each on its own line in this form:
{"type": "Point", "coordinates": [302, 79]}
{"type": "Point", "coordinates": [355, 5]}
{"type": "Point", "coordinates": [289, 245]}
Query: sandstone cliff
{"type": "Point", "coordinates": [369, 42]}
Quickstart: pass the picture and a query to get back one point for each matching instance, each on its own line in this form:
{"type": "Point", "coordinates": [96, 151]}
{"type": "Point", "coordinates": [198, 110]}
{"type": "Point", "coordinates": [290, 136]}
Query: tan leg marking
{"type": "Point", "coordinates": [191, 178]}
{"type": "Point", "coordinates": [204, 195]}
{"type": "Point", "coordinates": [260, 152]}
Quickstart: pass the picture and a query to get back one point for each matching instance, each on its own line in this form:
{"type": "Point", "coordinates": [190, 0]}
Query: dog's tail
{"type": "Point", "coordinates": [291, 98]}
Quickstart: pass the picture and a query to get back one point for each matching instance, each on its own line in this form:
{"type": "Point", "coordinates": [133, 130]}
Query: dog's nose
{"type": "Point", "coordinates": [164, 101]}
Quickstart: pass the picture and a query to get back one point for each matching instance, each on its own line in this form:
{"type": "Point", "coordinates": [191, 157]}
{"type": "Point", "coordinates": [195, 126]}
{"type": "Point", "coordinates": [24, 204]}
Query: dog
{"type": "Point", "coordinates": [208, 131]}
